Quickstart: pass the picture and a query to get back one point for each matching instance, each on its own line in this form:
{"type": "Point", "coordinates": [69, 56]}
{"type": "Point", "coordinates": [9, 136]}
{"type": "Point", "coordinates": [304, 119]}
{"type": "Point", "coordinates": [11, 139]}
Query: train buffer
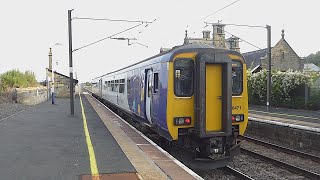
{"type": "Point", "coordinates": [305, 119]}
{"type": "Point", "coordinates": [44, 142]}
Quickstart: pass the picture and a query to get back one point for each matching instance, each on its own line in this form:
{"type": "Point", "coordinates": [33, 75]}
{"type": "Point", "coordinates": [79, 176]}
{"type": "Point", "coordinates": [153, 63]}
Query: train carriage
{"type": "Point", "coordinates": [194, 96]}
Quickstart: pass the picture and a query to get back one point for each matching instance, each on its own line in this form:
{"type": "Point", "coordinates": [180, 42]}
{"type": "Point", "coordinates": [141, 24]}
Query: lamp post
{"type": "Point", "coordinates": [52, 76]}
{"type": "Point", "coordinates": [268, 27]}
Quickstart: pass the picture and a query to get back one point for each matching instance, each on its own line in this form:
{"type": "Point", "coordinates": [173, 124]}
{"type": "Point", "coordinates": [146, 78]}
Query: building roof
{"type": "Point", "coordinates": [311, 68]}
{"type": "Point", "coordinates": [55, 72]}
{"type": "Point", "coordinates": [253, 58]}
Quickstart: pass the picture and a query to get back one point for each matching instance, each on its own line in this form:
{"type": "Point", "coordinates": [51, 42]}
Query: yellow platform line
{"type": "Point", "coordinates": [92, 157]}
{"type": "Point", "coordinates": [290, 115]}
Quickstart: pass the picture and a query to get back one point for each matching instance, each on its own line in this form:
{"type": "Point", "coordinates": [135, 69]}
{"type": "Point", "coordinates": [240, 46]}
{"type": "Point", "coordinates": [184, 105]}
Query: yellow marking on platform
{"type": "Point", "coordinates": [92, 157]}
{"type": "Point", "coordinates": [290, 115]}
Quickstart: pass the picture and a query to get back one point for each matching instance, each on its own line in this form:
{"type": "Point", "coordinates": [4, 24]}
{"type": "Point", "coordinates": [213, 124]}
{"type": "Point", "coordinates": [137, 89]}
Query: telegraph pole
{"type": "Point", "coordinates": [70, 64]}
{"type": "Point", "coordinates": [269, 66]}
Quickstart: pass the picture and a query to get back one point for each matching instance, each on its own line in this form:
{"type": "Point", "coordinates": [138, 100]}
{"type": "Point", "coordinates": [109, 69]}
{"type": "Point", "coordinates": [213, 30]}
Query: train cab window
{"type": "Point", "coordinates": [237, 78]}
{"type": "Point", "coordinates": [155, 82]}
{"type": "Point", "coordinates": [183, 77]}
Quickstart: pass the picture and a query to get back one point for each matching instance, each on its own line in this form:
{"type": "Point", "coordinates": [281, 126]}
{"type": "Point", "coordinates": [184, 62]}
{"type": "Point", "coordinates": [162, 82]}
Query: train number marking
{"type": "Point", "coordinates": [236, 107]}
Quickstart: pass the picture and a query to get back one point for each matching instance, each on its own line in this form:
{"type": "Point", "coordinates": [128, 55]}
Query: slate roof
{"type": "Point", "coordinates": [253, 58]}
{"type": "Point", "coordinates": [311, 68]}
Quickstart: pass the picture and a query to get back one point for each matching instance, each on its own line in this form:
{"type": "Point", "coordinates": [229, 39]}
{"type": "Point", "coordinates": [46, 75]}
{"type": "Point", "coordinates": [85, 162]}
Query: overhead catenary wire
{"type": "Point", "coordinates": [107, 37]}
{"type": "Point", "coordinates": [115, 20]}
{"type": "Point", "coordinates": [241, 25]}
{"type": "Point", "coordinates": [220, 9]}
{"type": "Point", "coordinates": [241, 39]}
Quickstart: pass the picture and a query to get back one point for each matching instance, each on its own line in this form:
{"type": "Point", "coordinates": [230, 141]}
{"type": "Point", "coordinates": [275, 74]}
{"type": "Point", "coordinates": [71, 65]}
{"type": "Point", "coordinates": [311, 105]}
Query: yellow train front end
{"type": "Point", "coordinates": [207, 102]}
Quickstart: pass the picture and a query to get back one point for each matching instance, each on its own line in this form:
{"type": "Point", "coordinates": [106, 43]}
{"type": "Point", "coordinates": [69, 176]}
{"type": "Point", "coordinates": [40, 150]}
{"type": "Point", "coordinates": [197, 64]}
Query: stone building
{"type": "Point", "coordinates": [218, 39]}
{"type": "Point", "coordinates": [61, 81]}
{"type": "Point", "coordinates": [61, 84]}
{"type": "Point", "coordinates": [283, 58]}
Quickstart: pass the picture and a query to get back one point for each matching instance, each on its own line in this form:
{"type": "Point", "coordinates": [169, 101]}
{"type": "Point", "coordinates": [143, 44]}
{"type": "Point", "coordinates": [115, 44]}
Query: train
{"type": "Point", "coordinates": [194, 96]}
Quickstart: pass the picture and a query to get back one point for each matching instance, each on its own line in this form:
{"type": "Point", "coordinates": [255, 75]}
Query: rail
{"type": "Point", "coordinates": [282, 149]}
{"type": "Point", "coordinates": [292, 168]}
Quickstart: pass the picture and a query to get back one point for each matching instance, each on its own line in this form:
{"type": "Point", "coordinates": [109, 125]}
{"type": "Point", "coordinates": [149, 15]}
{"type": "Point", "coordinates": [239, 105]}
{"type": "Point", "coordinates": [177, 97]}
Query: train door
{"type": "Point", "coordinates": [213, 94]}
{"type": "Point", "coordinates": [100, 87]}
{"type": "Point", "coordinates": [148, 91]}
{"type": "Point", "coordinates": [213, 97]}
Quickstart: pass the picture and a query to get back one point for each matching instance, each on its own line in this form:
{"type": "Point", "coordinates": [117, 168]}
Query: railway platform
{"type": "Point", "coordinates": [305, 119]}
{"type": "Point", "coordinates": [297, 129]}
{"type": "Point", "coordinates": [44, 142]}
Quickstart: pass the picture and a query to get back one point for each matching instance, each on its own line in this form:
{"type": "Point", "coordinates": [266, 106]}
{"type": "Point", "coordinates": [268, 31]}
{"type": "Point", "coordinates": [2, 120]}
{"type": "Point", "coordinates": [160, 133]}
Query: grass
{"type": "Point", "coordinates": [17, 79]}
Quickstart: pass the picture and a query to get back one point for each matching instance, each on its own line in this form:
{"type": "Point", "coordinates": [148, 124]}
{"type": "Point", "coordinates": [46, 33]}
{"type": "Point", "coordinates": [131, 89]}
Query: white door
{"type": "Point", "coordinates": [149, 95]}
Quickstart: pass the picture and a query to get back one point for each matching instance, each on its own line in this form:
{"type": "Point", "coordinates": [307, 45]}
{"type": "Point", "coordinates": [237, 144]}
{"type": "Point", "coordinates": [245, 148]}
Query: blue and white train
{"type": "Point", "coordinates": [194, 96]}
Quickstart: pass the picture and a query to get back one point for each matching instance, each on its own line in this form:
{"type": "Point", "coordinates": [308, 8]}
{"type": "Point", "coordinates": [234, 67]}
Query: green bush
{"type": "Point", "coordinates": [287, 89]}
{"type": "Point", "coordinates": [17, 79]}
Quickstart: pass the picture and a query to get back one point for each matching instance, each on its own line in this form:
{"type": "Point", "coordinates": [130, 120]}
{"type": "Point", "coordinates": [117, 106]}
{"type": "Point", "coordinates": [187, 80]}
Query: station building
{"type": "Point", "coordinates": [283, 57]}
{"type": "Point", "coordinates": [61, 81]}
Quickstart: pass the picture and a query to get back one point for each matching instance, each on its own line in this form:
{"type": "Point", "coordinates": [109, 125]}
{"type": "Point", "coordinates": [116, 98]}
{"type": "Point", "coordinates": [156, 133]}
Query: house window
{"type": "Point", "coordinates": [282, 55]}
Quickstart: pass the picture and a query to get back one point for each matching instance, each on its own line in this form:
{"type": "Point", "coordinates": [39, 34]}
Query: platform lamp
{"type": "Point", "coordinates": [52, 77]}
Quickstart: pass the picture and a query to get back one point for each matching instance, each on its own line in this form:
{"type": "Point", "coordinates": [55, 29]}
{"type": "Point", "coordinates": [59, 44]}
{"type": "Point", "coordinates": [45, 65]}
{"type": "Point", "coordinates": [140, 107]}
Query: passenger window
{"type": "Point", "coordinates": [155, 82]}
{"type": "Point", "coordinates": [128, 86]}
{"type": "Point", "coordinates": [149, 86]}
{"type": "Point", "coordinates": [183, 77]}
{"type": "Point", "coordinates": [121, 86]}
{"type": "Point", "coordinates": [112, 85]}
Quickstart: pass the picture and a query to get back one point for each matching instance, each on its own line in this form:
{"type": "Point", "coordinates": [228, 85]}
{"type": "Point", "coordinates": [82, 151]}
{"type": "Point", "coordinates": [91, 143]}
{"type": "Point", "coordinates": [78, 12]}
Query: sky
{"type": "Point", "coordinates": [30, 28]}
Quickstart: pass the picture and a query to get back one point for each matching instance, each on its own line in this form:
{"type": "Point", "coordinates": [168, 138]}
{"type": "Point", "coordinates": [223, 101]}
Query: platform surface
{"type": "Point", "coordinates": [44, 142]}
{"type": "Point", "coordinates": [290, 116]}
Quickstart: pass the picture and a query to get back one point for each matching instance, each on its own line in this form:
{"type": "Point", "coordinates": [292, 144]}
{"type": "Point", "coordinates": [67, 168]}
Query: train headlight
{"type": "Point", "coordinates": [237, 117]}
{"type": "Point", "coordinates": [180, 121]}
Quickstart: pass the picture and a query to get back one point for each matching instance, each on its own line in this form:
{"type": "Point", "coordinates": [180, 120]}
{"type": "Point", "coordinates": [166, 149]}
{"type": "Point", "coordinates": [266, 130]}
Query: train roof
{"type": "Point", "coordinates": [171, 53]}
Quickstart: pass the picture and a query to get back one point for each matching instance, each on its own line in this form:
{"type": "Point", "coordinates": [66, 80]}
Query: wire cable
{"type": "Point", "coordinates": [241, 39]}
{"type": "Point", "coordinates": [221, 9]}
{"type": "Point", "coordinates": [107, 37]}
{"type": "Point", "coordinates": [116, 20]}
{"type": "Point", "coordinates": [241, 25]}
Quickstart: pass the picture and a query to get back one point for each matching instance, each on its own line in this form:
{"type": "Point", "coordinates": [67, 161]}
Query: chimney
{"type": "Point", "coordinates": [206, 34]}
{"type": "Point", "coordinates": [219, 40]}
{"type": "Point", "coordinates": [233, 43]}
{"type": "Point", "coordinates": [50, 59]}
{"type": "Point", "coordinates": [282, 34]}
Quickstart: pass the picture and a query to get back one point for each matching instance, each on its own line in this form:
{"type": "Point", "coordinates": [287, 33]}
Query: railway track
{"type": "Point", "coordinates": [237, 173]}
{"type": "Point", "coordinates": [290, 167]}
{"type": "Point", "coordinates": [282, 149]}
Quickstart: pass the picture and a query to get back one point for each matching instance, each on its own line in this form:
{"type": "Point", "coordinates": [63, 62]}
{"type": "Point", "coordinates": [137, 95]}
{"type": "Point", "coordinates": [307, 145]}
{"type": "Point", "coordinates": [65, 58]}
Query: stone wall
{"type": "Point", "coordinates": [31, 96]}
{"type": "Point", "coordinates": [283, 58]}
{"type": "Point", "coordinates": [287, 136]}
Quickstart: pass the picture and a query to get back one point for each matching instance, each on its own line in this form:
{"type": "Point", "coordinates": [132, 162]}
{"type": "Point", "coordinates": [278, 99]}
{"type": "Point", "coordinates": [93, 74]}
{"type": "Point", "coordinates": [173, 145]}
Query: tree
{"type": "Point", "coordinates": [314, 58]}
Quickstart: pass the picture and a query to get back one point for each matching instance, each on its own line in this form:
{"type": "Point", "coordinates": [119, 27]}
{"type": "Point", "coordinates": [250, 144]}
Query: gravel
{"type": "Point", "coordinates": [316, 153]}
{"type": "Point", "coordinates": [259, 169]}
{"type": "Point", "coordinates": [284, 157]}
{"type": "Point", "coordinates": [7, 109]}
{"type": "Point", "coordinates": [215, 174]}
